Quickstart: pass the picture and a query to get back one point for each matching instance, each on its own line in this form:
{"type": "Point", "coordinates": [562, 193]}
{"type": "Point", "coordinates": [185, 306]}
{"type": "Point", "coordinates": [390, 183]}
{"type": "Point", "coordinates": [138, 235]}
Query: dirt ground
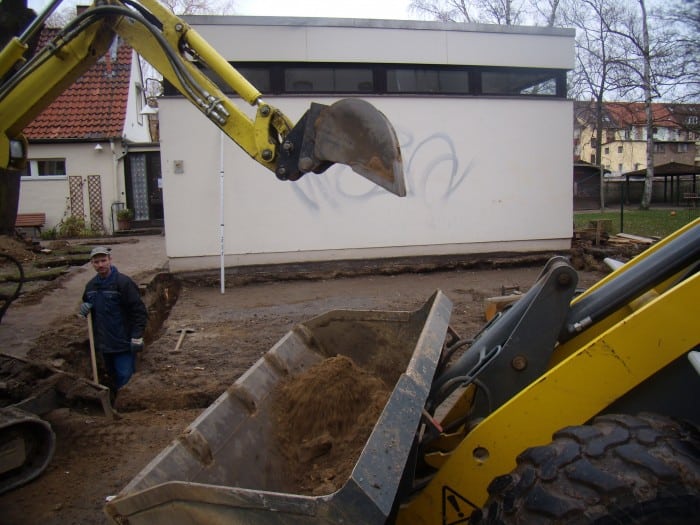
{"type": "Point", "coordinates": [96, 457]}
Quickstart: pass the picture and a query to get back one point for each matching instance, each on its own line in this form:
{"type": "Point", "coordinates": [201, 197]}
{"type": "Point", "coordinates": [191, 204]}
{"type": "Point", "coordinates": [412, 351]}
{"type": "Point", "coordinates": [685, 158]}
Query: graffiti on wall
{"type": "Point", "coordinates": [432, 168]}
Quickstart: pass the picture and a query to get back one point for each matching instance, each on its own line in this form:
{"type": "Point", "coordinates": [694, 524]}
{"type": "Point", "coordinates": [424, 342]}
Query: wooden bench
{"type": "Point", "coordinates": [31, 220]}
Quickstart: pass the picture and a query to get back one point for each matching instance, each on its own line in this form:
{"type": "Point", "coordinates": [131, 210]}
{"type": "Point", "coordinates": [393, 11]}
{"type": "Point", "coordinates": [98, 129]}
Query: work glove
{"type": "Point", "coordinates": [136, 344]}
{"type": "Point", "coordinates": [85, 309]}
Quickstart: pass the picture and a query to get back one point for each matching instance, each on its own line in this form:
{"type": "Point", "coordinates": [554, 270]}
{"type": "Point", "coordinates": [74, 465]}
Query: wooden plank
{"type": "Point", "coordinates": [493, 305]}
{"type": "Point", "coordinates": [637, 238]}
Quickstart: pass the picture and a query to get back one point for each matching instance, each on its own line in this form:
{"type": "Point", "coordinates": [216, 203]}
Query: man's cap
{"type": "Point", "coordinates": [100, 250]}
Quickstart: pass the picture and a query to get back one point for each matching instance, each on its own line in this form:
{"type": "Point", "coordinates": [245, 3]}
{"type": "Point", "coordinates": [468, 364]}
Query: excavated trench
{"type": "Point", "coordinates": [67, 347]}
{"type": "Point", "coordinates": [161, 295]}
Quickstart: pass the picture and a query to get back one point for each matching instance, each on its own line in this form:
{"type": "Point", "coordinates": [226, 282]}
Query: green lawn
{"type": "Point", "coordinates": [648, 223]}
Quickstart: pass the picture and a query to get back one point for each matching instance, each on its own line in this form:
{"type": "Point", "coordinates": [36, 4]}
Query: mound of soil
{"type": "Point", "coordinates": [324, 417]}
{"type": "Point", "coordinates": [16, 248]}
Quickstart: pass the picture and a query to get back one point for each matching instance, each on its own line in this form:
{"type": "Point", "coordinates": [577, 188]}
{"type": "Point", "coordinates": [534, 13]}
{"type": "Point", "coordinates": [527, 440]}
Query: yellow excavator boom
{"type": "Point", "coordinates": [181, 55]}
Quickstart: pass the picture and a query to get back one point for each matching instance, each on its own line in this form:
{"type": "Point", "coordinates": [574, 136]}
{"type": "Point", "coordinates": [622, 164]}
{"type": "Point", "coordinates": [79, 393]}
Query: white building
{"type": "Point", "coordinates": [482, 118]}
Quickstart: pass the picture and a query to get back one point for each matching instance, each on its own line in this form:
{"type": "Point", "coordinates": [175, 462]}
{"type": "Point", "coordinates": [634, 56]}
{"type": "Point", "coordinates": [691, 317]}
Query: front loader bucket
{"type": "Point", "coordinates": [227, 467]}
{"type": "Point", "coordinates": [351, 131]}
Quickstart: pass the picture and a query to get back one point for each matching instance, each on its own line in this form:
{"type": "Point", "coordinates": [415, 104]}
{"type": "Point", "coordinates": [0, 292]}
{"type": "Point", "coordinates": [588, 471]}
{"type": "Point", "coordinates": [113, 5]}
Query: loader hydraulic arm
{"type": "Point", "coordinates": [180, 54]}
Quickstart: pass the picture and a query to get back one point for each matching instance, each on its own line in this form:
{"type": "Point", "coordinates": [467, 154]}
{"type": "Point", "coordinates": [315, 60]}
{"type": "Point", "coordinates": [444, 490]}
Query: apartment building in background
{"type": "Point", "coordinates": [676, 135]}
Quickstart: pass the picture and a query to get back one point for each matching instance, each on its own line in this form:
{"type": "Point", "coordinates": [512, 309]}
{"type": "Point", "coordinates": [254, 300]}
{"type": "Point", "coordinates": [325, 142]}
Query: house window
{"type": "Point", "coordinates": [619, 149]}
{"type": "Point", "coordinates": [592, 158]}
{"type": "Point", "coordinates": [619, 168]}
{"type": "Point", "coordinates": [607, 151]}
{"type": "Point", "coordinates": [45, 168]}
{"type": "Point", "coordinates": [682, 147]}
{"type": "Point", "coordinates": [594, 143]}
{"type": "Point", "coordinates": [659, 147]}
{"type": "Point", "coordinates": [139, 103]}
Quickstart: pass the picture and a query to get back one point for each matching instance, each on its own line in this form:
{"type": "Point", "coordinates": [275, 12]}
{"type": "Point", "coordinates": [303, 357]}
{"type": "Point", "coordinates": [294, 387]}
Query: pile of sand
{"type": "Point", "coordinates": [324, 418]}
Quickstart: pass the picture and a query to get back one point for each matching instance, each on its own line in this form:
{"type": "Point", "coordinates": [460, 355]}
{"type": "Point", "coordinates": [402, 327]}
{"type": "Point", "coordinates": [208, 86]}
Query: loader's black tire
{"type": "Point", "coordinates": [619, 470]}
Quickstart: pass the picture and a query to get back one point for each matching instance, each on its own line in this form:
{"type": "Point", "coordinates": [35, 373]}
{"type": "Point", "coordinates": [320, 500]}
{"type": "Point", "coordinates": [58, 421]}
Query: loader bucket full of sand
{"type": "Point", "coordinates": [318, 431]}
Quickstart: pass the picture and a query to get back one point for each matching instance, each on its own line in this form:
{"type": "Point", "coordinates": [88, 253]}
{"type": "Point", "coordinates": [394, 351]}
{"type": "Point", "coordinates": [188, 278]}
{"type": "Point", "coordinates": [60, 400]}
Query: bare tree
{"type": "Point", "coordinates": [503, 12]}
{"type": "Point", "coordinates": [444, 10]}
{"type": "Point", "coordinates": [182, 7]}
{"type": "Point", "coordinates": [645, 68]}
{"type": "Point", "coordinates": [595, 56]}
{"type": "Point", "coordinates": [67, 9]}
{"type": "Point", "coordinates": [200, 7]}
{"type": "Point", "coordinates": [682, 18]}
{"type": "Point", "coordinates": [548, 12]}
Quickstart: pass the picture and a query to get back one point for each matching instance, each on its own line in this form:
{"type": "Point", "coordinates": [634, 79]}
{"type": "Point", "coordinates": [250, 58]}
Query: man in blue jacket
{"type": "Point", "coordinates": [118, 316]}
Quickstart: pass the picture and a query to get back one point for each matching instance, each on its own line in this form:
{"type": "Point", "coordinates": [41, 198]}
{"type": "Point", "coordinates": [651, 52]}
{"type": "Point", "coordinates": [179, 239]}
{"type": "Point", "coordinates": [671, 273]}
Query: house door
{"type": "Point", "coordinates": [144, 190]}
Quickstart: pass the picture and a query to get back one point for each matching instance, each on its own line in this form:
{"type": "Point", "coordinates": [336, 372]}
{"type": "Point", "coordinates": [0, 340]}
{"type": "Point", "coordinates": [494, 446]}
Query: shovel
{"type": "Point", "coordinates": [93, 357]}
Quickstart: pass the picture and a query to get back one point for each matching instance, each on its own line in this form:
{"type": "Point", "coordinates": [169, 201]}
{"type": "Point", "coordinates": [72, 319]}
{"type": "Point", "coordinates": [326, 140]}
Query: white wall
{"type": "Point", "coordinates": [135, 124]}
{"type": "Point", "coordinates": [50, 195]}
{"type": "Point", "coordinates": [385, 41]}
{"type": "Point", "coordinates": [483, 174]}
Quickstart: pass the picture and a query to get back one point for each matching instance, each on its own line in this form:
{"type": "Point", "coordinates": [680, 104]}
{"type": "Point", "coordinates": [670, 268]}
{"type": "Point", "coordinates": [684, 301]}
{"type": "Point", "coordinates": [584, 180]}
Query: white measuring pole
{"type": "Point", "coordinates": [221, 211]}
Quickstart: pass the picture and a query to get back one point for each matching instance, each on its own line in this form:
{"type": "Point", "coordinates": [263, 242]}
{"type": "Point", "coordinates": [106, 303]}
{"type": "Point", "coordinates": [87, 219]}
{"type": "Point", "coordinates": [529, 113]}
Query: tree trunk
{"type": "Point", "coordinates": [649, 179]}
{"type": "Point", "coordinates": [599, 148]}
{"type": "Point", "coordinates": [9, 200]}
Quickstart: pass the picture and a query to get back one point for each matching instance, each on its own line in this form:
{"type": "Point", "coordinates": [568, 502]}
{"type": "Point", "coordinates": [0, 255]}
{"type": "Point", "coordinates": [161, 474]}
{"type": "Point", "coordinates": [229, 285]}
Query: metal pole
{"type": "Point", "coordinates": [221, 210]}
{"type": "Point", "coordinates": [622, 206]}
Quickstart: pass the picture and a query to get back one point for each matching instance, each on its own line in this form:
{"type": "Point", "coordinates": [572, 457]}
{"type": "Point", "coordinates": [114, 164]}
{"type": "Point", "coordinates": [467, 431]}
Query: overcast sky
{"type": "Point", "coordinates": [390, 9]}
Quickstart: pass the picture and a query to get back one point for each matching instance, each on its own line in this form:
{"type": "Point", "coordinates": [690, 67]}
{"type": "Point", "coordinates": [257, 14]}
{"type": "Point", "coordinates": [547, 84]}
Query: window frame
{"type": "Point", "coordinates": [33, 169]}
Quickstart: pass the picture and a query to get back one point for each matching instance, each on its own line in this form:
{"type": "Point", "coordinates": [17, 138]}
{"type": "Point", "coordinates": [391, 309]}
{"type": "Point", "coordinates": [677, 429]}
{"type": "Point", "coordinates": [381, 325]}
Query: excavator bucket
{"type": "Point", "coordinates": [351, 131]}
{"type": "Point", "coordinates": [233, 463]}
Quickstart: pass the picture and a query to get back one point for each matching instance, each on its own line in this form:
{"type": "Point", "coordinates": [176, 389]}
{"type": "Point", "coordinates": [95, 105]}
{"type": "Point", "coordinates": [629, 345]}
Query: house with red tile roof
{"type": "Point", "coordinates": [676, 134]}
{"type": "Point", "coordinates": [91, 152]}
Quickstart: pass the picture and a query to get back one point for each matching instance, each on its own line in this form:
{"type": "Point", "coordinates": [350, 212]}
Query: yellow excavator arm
{"type": "Point", "coordinates": [179, 53]}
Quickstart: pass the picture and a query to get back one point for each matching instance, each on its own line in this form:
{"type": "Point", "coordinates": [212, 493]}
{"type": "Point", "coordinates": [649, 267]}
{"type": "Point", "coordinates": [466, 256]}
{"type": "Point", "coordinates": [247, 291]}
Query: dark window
{"type": "Point", "coordinates": [44, 168]}
{"type": "Point", "coordinates": [520, 82]}
{"type": "Point", "coordinates": [51, 167]}
{"type": "Point", "coordinates": [328, 80]}
{"type": "Point", "coordinates": [415, 80]}
{"type": "Point", "coordinates": [279, 78]}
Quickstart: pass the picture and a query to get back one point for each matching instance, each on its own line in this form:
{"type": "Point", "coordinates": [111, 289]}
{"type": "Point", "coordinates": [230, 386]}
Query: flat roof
{"type": "Point", "coordinates": [371, 23]}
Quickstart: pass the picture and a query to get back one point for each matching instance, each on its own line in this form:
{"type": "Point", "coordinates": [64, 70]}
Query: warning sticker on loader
{"type": "Point", "coordinates": [455, 507]}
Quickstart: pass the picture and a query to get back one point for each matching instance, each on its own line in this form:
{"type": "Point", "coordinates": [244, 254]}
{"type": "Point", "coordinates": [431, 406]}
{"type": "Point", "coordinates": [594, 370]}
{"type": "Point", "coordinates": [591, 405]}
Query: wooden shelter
{"type": "Point", "coordinates": [673, 171]}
